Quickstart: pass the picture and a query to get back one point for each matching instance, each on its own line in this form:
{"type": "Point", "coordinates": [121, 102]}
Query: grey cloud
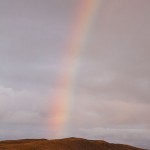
{"type": "Point", "coordinates": [110, 97]}
{"type": "Point", "coordinates": [112, 85]}
{"type": "Point", "coordinates": [30, 33]}
{"type": "Point", "coordinates": [120, 135]}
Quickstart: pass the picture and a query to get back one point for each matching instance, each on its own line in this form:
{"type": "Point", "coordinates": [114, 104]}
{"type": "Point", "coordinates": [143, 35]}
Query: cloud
{"type": "Point", "coordinates": [22, 109]}
{"type": "Point", "coordinates": [110, 94]}
{"type": "Point", "coordinates": [120, 135]}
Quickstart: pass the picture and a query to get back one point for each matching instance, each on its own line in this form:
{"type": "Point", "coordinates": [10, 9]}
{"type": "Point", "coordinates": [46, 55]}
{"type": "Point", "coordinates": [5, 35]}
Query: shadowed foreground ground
{"type": "Point", "coordinates": [62, 144]}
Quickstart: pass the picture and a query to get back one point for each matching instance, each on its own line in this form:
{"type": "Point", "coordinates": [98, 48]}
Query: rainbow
{"type": "Point", "coordinates": [74, 47]}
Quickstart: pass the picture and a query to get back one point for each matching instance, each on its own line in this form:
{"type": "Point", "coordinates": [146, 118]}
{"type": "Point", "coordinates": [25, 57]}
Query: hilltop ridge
{"type": "Point", "coordinates": [71, 143]}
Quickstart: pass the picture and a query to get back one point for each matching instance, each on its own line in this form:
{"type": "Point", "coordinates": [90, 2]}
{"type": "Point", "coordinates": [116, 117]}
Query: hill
{"type": "Point", "coordinates": [62, 144]}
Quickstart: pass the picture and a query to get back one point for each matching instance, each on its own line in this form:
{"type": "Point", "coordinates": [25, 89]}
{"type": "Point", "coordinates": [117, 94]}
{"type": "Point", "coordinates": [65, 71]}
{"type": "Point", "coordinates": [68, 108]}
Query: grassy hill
{"type": "Point", "coordinates": [62, 144]}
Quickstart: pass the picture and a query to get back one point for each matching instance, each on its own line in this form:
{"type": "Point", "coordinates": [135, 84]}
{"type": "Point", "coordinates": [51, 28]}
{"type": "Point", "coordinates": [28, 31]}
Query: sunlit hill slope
{"type": "Point", "coordinates": [62, 144]}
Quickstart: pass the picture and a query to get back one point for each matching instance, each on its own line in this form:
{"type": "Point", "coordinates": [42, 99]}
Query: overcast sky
{"type": "Point", "coordinates": [111, 97]}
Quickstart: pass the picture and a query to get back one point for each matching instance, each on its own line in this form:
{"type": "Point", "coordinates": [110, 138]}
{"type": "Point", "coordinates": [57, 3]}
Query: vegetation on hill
{"type": "Point", "coordinates": [62, 144]}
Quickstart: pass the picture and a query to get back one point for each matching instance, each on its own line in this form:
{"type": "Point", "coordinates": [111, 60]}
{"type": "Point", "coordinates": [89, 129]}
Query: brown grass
{"type": "Point", "coordinates": [62, 144]}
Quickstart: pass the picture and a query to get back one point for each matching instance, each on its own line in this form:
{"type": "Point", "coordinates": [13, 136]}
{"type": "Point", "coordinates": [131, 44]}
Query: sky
{"type": "Point", "coordinates": [106, 90]}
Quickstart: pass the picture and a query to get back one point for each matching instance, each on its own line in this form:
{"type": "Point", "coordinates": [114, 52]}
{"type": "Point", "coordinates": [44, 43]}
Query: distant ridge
{"type": "Point", "coordinates": [62, 144]}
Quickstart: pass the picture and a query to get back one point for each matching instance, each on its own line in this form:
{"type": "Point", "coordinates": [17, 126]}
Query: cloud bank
{"type": "Point", "coordinates": [110, 97]}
